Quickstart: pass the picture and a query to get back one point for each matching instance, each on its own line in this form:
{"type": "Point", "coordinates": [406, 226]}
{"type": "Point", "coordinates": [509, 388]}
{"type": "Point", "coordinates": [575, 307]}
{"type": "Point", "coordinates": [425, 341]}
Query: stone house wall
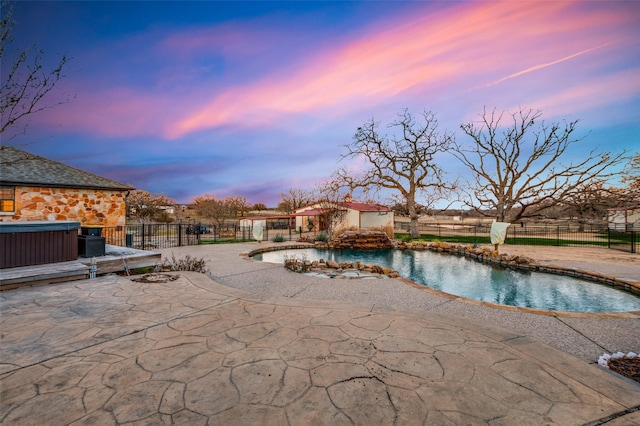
{"type": "Point", "coordinates": [87, 206]}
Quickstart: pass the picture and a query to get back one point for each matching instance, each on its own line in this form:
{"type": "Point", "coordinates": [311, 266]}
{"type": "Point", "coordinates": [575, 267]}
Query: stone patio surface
{"type": "Point", "coordinates": [253, 344]}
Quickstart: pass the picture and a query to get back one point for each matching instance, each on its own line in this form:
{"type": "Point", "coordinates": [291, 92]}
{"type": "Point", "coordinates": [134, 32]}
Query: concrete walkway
{"type": "Point", "coordinates": [586, 336]}
{"type": "Point", "coordinates": [194, 351]}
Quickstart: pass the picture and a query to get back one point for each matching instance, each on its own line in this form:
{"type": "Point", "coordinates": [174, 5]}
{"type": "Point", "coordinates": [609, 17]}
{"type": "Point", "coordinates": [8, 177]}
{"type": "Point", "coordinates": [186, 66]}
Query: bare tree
{"type": "Point", "coordinates": [516, 164]}
{"type": "Point", "coordinates": [207, 206]}
{"type": "Point", "coordinates": [25, 81]}
{"type": "Point", "coordinates": [404, 163]}
{"type": "Point", "coordinates": [631, 178]}
{"type": "Point", "coordinates": [294, 199]}
{"type": "Point", "coordinates": [591, 201]}
{"type": "Point", "coordinates": [144, 206]}
{"type": "Point", "coordinates": [239, 204]}
{"type": "Point", "coordinates": [259, 207]}
{"type": "Point", "coordinates": [330, 203]}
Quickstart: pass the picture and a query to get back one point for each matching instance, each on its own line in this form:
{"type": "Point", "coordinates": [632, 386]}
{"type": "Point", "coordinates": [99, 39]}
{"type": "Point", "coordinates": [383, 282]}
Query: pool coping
{"type": "Point", "coordinates": [628, 285]}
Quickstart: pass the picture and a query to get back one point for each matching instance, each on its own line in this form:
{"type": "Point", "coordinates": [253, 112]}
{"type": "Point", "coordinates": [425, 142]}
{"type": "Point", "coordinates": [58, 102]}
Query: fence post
{"type": "Point", "coordinates": [143, 237]}
{"type": "Point", "coordinates": [180, 234]}
{"type": "Point", "coordinates": [558, 236]}
{"type": "Point", "coordinates": [633, 241]}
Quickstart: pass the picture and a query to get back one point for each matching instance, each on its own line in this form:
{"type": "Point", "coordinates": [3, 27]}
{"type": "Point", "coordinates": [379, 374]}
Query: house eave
{"type": "Point", "coordinates": [65, 186]}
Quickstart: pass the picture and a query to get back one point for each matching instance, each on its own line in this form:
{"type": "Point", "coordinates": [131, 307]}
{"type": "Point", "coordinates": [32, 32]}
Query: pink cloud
{"type": "Point", "coordinates": [427, 51]}
{"type": "Point", "coordinates": [234, 38]}
{"type": "Point", "coordinates": [576, 100]}
{"type": "Point", "coordinates": [450, 51]}
{"type": "Point", "coordinates": [118, 111]}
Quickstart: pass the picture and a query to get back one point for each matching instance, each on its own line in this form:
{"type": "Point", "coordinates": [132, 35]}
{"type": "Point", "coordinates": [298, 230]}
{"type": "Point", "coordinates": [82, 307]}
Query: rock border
{"type": "Point", "coordinates": [486, 255]}
{"type": "Point", "coordinates": [339, 270]}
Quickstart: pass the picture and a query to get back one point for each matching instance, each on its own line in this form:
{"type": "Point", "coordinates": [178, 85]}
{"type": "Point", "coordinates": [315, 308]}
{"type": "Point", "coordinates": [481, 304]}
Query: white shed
{"type": "Point", "coordinates": [624, 219]}
{"type": "Point", "coordinates": [357, 215]}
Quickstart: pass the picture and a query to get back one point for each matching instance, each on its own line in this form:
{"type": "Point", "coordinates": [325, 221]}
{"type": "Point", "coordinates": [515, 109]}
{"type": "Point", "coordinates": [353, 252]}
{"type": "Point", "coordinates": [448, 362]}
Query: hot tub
{"type": "Point", "coordinates": [37, 242]}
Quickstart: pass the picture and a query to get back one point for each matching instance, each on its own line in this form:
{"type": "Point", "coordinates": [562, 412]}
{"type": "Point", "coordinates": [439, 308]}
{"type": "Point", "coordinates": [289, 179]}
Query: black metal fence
{"type": "Point", "coordinates": [624, 237]}
{"type": "Point", "coordinates": [575, 235]}
{"type": "Point", "coordinates": [151, 236]}
{"type": "Point", "coordinates": [156, 236]}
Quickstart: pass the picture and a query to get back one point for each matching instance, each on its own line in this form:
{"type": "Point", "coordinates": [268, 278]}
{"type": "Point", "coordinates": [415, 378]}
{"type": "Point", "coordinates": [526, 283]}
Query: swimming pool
{"type": "Point", "coordinates": [473, 280]}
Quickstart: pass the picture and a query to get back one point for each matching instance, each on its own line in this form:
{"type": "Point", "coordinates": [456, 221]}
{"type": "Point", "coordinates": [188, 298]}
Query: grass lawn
{"type": "Point", "coordinates": [222, 241]}
{"type": "Point", "coordinates": [470, 239]}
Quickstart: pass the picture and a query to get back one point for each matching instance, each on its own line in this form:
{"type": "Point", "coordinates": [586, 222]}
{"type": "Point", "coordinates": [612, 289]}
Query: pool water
{"type": "Point", "coordinates": [473, 280]}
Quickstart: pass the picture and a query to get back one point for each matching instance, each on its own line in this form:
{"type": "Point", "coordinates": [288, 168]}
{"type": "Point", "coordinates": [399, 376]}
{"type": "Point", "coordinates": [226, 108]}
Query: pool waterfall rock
{"type": "Point", "coordinates": [361, 240]}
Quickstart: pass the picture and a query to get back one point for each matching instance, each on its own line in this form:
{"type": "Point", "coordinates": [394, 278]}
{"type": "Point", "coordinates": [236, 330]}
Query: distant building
{"type": "Point", "coordinates": [624, 219]}
{"type": "Point", "coordinates": [168, 209]}
{"type": "Point", "coordinates": [34, 188]}
{"type": "Point", "coordinates": [355, 215]}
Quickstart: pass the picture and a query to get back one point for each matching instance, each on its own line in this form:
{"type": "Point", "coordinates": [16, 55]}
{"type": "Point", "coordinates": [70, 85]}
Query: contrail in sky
{"type": "Point", "coordinates": [548, 64]}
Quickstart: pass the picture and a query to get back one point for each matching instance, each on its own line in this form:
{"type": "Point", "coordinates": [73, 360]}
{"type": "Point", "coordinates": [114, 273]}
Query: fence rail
{"type": "Point", "coordinates": [157, 236]}
{"type": "Point", "coordinates": [574, 235]}
{"type": "Point", "coordinates": [151, 236]}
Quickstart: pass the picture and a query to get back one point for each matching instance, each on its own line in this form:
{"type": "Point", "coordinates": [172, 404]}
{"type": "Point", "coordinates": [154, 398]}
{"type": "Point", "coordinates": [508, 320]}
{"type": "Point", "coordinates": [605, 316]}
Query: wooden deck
{"type": "Point", "coordinates": [117, 259]}
{"type": "Point", "coordinates": [42, 274]}
{"type": "Point", "coordinates": [123, 259]}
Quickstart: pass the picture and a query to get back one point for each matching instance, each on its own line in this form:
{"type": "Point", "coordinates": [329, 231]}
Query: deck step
{"type": "Point", "coordinates": [116, 260]}
{"type": "Point", "coordinates": [42, 274]}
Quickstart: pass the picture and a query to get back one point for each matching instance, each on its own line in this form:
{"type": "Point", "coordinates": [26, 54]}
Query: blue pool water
{"type": "Point", "coordinates": [473, 280]}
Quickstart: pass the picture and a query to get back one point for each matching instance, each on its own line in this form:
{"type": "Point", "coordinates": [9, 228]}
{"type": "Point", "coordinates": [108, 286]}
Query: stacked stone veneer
{"type": "Point", "coordinates": [87, 206]}
{"type": "Point", "coordinates": [367, 240]}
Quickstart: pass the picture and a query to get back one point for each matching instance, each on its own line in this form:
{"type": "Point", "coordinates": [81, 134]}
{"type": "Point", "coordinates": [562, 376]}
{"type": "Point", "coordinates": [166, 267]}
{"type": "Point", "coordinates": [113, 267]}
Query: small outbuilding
{"type": "Point", "coordinates": [624, 219]}
{"type": "Point", "coordinates": [351, 216]}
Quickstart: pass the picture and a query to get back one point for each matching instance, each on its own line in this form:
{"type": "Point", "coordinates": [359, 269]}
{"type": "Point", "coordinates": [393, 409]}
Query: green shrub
{"type": "Point", "coordinates": [322, 237]}
{"type": "Point", "coordinates": [278, 238]}
{"type": "Point", "coordinates": [406, 238]}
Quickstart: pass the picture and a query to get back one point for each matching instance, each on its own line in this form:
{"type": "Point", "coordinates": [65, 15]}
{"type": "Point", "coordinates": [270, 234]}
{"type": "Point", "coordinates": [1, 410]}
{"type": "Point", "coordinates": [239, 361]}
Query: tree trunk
{"type": "Point", "coordinates": [414, 230]}
{"type": "Point", "coordinates": [413, 227]}
{"type": "Point", "coordinates": [500, 211]}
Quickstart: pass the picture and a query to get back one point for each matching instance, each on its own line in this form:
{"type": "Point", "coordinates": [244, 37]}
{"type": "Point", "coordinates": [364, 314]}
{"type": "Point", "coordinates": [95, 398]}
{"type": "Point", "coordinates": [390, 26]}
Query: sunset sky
{"type": "Point", "coordinates": [253, 98]}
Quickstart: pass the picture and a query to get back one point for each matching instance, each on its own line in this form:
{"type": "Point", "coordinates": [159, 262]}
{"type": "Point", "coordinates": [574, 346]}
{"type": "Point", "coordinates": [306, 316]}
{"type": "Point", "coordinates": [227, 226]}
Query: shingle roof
{"type": "Point", "coordinates": [19, 167]}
